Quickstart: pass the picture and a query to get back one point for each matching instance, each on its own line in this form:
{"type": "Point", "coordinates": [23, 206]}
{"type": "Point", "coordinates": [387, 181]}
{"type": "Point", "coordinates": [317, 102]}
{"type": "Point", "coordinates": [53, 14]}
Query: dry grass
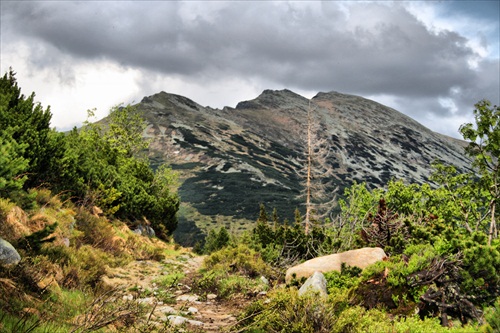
{"type": "Point", "coordinates": [13, 222]}
{"type": "Point", "coordinates": [86, 248]}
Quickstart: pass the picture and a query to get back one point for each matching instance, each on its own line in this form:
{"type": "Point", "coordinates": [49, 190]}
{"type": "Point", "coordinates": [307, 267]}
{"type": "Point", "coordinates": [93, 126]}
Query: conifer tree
{"type": "Point", "coordinates": [24, 123]}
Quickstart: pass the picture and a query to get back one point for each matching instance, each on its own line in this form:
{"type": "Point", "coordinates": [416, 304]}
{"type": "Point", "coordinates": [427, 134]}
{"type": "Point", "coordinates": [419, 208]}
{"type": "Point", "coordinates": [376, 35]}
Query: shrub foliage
{"type": "Point", "coordinates": [100, 164]}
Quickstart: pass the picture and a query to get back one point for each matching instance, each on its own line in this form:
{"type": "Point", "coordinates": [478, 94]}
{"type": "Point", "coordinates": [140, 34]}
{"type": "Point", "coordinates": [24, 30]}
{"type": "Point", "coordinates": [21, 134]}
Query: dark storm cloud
{"type": "Point", "coordinates": [369, 49]}
{"type": "Point", "coordinates": [483, 84]}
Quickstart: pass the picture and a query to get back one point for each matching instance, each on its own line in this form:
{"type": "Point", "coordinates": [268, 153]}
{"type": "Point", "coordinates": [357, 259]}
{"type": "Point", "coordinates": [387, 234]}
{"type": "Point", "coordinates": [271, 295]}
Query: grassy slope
{"type": "Point", "coordinates": [57, 288]}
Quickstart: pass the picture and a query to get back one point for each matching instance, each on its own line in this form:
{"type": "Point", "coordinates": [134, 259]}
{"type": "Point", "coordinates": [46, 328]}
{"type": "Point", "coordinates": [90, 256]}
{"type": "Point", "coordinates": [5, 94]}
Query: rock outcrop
{"type": "Point", "coordinates": [360, 258]}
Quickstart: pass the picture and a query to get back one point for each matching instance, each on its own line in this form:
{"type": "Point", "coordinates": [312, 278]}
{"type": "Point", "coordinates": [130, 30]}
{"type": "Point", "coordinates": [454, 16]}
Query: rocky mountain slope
{"type": "Point", "coordinates": [233, 159]}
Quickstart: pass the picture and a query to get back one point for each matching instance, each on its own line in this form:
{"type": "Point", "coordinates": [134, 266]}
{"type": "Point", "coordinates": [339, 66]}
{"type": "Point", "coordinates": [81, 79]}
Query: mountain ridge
{"type": "Point", "coordinates": [232, 159]}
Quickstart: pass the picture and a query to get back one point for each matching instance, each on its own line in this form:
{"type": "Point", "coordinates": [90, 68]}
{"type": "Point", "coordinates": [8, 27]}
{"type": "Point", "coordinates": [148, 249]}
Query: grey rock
{"type": "Point", "coordinates": [178, 320]}
{"type": "Point", "coordinates": [316, 283]}
{"type": "Point", "coordinates": [150, 232]}
{"type": "Point", "coordinates": [146, 300]}
{"type": "Point", "coordinates": [145, 230]}
{"type": "Point", "coordinates": [166, 309]}
{"type": "Point", "coordinates": [264, 280]}
{"type": "Point", "coordinates": [188, 298]}
{"type": "Point", "coordinates": [8, 254]}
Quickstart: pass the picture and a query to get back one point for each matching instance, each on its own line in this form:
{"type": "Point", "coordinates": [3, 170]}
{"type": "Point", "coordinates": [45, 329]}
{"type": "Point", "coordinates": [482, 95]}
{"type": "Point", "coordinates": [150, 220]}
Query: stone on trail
{"type": "Point", "coordinates": [178, 320]}
{"type": "Point", "coordinates": [188, 298]}
{"type": "Point", "coordinates": [360, 258]}
{"type": "Point", "coordinates": [146, 300]}
{"type": "Point", "coordinates": [192, 310]}
{"type": "Point", "coordinates": [166, 309]}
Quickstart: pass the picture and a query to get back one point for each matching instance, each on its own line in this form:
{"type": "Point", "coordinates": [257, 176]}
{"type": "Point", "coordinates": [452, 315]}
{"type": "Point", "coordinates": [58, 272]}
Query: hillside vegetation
{"type": "Point", "coordinates": [68, 203]}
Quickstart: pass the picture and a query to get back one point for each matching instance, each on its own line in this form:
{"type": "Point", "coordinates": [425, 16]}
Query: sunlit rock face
{"type": "Point", "coordinates": [233, 159]}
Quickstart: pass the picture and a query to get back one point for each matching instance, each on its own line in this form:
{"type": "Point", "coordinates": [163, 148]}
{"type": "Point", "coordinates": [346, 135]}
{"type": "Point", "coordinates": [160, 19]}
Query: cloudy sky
{"type": "Point", "coordinates": [431, 60]}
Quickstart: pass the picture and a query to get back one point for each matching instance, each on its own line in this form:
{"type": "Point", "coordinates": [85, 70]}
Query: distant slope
{"type": "Point", "coordinates": [233, 159]}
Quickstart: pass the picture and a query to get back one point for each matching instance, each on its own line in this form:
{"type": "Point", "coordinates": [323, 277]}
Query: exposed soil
{"type": "Point", "coordinates": [138, 281]}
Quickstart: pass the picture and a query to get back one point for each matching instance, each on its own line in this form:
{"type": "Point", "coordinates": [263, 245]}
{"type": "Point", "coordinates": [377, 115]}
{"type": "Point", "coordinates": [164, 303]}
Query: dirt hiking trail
{"type": "Point", "coordinates": [168, 287]}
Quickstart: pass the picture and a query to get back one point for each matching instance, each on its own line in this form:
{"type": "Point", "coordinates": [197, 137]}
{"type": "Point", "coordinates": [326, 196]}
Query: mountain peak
{"type": "Point", "coordinates": [272, 99]}
{"type": "Point", "coordinates": [163, 99]}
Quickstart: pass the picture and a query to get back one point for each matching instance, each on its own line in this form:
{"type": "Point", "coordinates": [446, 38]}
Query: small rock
{"type": "Point", "coordinates": [188, 298]}
{"type": "Point", "coordinates": [166, 309]}
{"type": "Point", "coordinates": [316, 283]}
{"type": "Point", "coordinates": [263, 293]}
{"type": "Point", "coordinates": [128, 297]}
{"type": "Point", "coordinates": [146, 300]}
{"type": "Point", "coordinates": [192, 310]}
{"type": "Point", "coordinates": [264, 280]}
{"type": "Point", "coordinates": [195, 323]}
{"type": "Point", "coordinates": [8, 254]}
{"type": "Point", "coordinates": [178, 320]}
{"type": "Point", "coordinates": [211, 296]}
{"type": "Point", "coordinates": [144, 230]}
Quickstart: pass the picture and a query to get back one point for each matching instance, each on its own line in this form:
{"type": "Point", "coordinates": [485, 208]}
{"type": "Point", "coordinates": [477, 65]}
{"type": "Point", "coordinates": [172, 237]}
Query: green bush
{"type": "Point", "coordinates": [216, 240]}
{"type": "Point", "coordinates": [287, 312]}
{"type": "Point", "coordinates": [233, 270]}
{"type": "Point", "coordinates": [347, 278]}
{"type": "Point", "coordinates": [283, 245]}
{"type": "Point", "coordinates": [170, 280]}
{"type": "Point", "coordinates": [240, 260]}
{"type": "Point", "coordinates": [492, 317]}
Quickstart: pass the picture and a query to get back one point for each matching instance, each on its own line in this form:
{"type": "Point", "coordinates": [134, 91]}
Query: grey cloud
{"type": "Point", "coordinates": [482, 84]}
{"type": "Point", "coordinates": [296, 45]}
